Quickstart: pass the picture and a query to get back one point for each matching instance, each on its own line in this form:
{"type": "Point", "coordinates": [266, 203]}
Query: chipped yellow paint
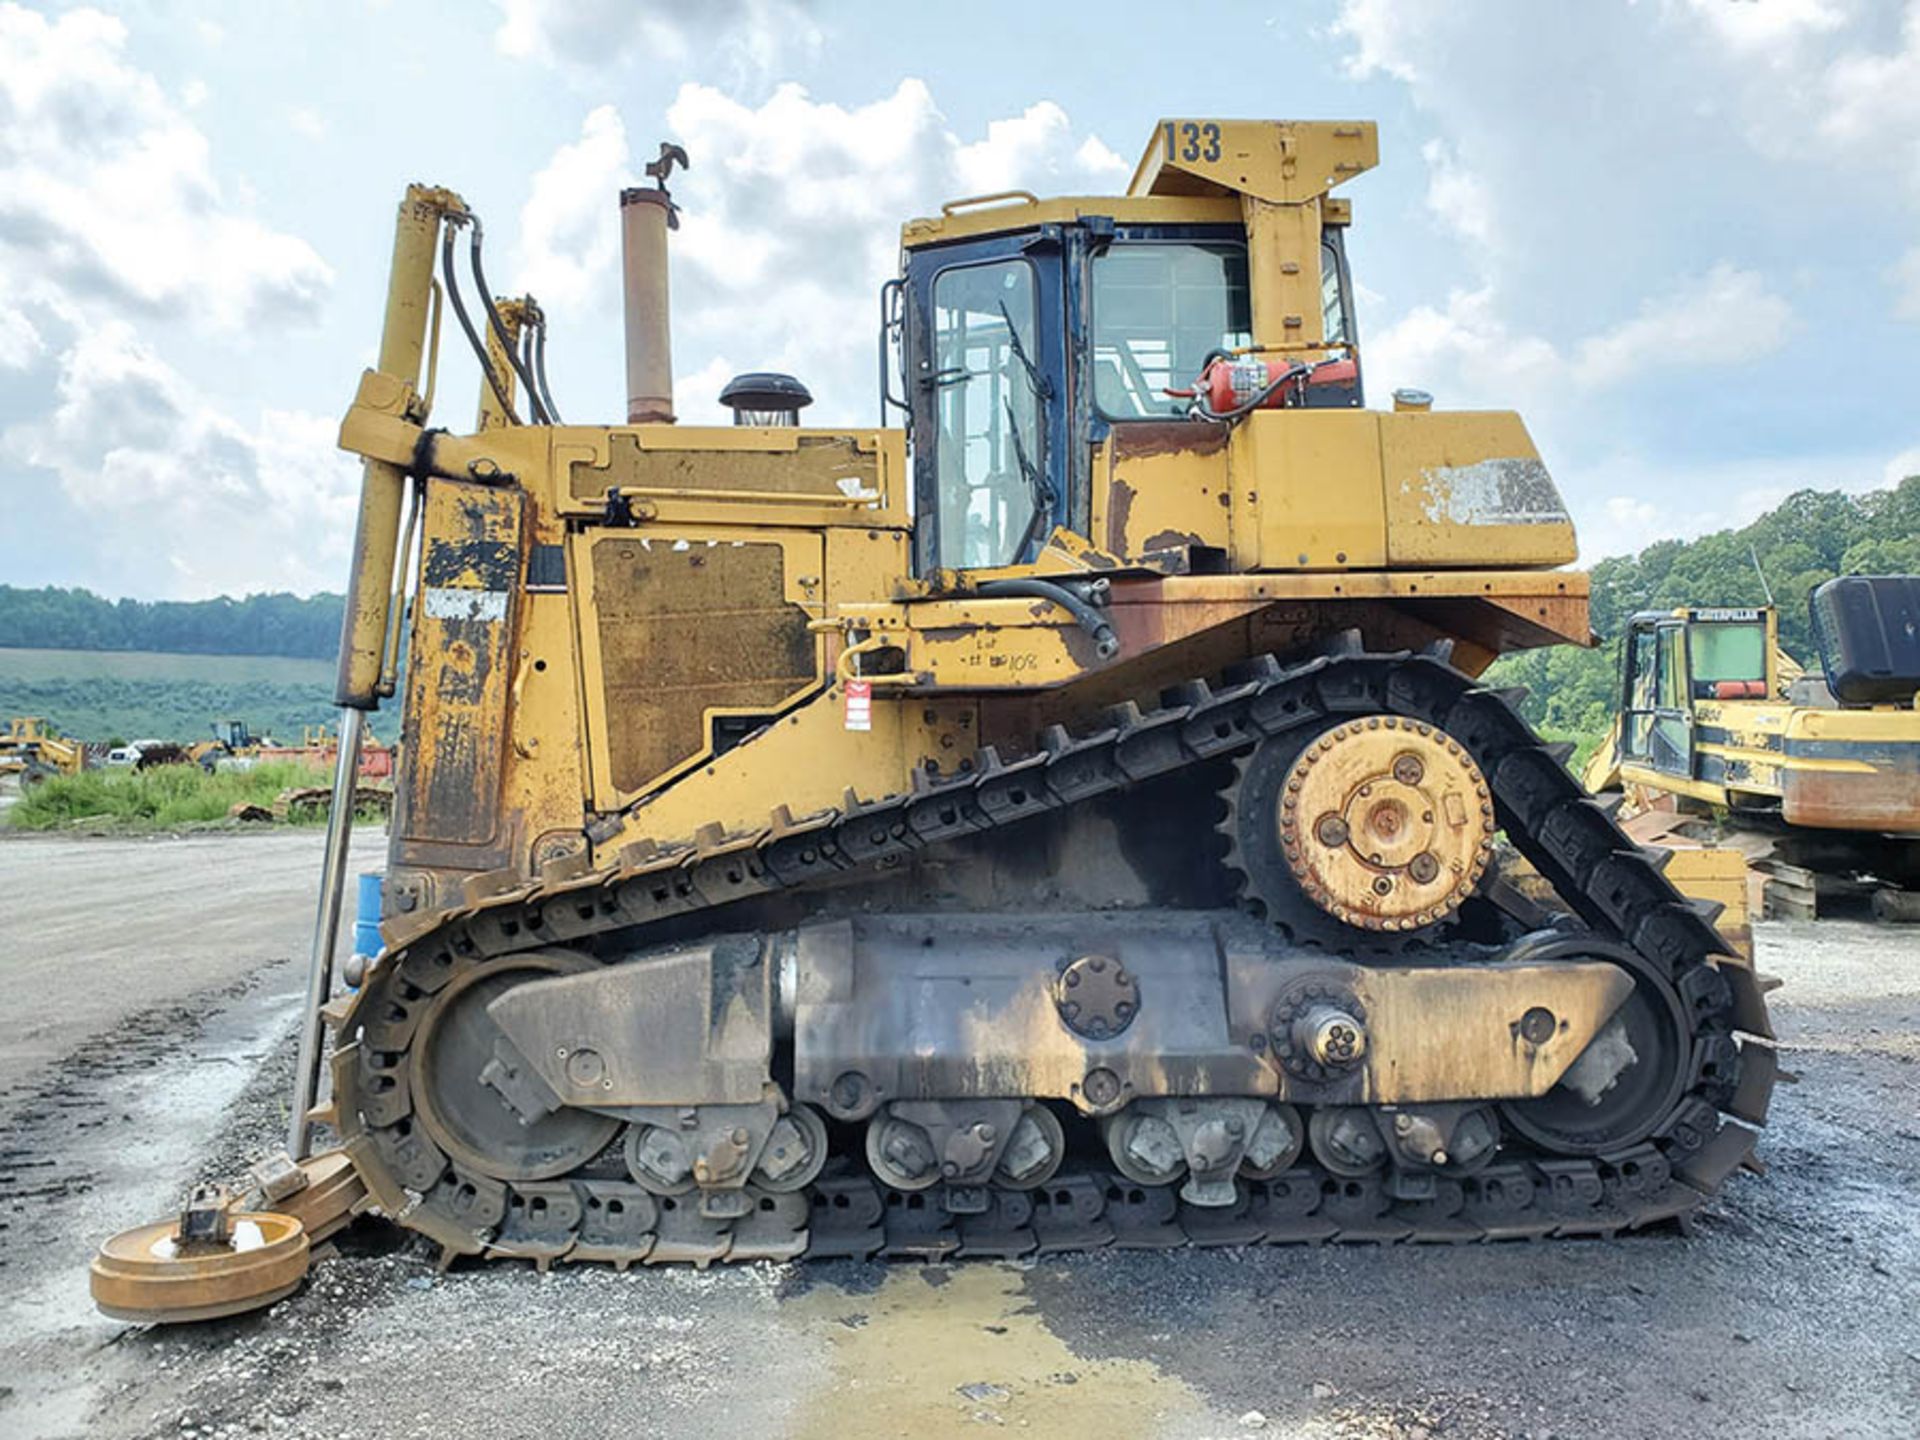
{"type": "Point", "coordinates": [900, 1360]}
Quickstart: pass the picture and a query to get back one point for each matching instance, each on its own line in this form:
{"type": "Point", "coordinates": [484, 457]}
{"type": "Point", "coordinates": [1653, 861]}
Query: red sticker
{"type": "Point", "coordinates": [859, 705]}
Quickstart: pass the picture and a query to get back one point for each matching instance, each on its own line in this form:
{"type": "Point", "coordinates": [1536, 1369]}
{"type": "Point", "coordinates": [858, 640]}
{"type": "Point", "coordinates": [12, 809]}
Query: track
{"type": "Point", "coordinates": [598, 1214]}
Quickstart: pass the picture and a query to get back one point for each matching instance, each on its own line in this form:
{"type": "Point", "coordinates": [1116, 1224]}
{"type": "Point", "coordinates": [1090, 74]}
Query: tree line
{"type": "Point", "coordinates": [77, 619]}
{"type": "Point", "coordinates": [1807, 539]}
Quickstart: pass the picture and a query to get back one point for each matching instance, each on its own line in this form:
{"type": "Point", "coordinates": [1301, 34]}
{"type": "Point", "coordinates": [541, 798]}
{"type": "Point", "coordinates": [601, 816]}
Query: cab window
{"type": "Point", "coordinates": [1158, 309]}
{"type": "Point", "coordinates": [1727, 654]}
{"type": "Point", "coordinates": [1639, 716]}
{"type": "Point", "coordinates": [986, 413]}
{"type": "Point", "coordinates": [1333, 302]}
{"type": "Point", "coordinates": [1671, 689]}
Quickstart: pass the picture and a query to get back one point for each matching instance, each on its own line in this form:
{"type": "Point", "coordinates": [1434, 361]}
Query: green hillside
{"type": "Point", "coordinates": [1808, 538]}
{"type": "Point", "coordinates": [99, 695]}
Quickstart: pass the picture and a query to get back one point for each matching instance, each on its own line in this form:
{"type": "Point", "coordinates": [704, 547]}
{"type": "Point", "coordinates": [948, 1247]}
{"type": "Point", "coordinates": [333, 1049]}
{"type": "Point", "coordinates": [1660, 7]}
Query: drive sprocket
{"type": "Point", "coordinates": [1379, 823]}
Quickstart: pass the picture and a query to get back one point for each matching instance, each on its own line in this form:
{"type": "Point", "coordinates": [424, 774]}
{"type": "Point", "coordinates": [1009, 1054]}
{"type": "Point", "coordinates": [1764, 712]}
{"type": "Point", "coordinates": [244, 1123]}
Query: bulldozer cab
{"type": "Point", "coordinates": [1023, 334]}
{"type": "Point", "coordinates": [1672, 661]}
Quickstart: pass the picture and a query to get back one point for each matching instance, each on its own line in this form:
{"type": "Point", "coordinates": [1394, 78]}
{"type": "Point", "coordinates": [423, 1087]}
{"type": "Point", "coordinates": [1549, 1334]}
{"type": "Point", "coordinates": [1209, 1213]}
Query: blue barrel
{"type": "Point", "coordinates": [366, 916]}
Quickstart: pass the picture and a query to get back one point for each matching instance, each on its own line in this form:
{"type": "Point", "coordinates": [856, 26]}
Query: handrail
{"type": "Point", "coordinates": [997, 197]}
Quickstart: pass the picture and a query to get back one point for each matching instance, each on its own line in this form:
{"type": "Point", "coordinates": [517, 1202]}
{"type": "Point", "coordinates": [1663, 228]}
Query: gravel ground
{"type": "Point", "coordinates": [1791, 1312]}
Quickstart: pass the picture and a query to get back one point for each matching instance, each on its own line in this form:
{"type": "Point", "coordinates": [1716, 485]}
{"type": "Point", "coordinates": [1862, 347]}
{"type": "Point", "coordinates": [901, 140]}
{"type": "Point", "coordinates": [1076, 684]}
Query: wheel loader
{"type": "Point", "coordinates": [1814, 774]}
{"type": "Point", "coordinates": [33, 750]}
{"type": "Point", "coordinates": [1065, 818]}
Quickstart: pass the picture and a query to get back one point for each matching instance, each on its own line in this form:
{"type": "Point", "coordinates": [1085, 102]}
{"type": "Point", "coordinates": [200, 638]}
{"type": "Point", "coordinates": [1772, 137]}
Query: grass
{"type": "Point", "coordinates": [165, 796]}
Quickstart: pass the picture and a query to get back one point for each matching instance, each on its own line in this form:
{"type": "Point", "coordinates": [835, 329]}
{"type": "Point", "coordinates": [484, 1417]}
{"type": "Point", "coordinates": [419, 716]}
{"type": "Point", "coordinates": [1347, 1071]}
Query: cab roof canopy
{"type": "Point", "coordinates": [1191, 172]}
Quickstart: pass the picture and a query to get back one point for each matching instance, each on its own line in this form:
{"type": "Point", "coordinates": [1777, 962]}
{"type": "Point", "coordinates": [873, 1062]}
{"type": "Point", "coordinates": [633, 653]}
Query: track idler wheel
{"type": "Point", "coordinates": [150, 1276]}
{"type": "Point", "coordinates": [1382, 823]}
{"type": "Point", "coordinates": [469, 1084]}
{"type": "Point", "coordinates": [1630, 1076]}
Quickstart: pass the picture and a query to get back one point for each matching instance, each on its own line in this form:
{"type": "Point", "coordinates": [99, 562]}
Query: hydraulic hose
{"type": "Point", "coordinates": [466, 326]}
{"type": "Point", "coordinates": [541, 415]}
{"type": "Point", "coordinates": [540, 368]}
{"type": "Point", "coordinates": [1105, 643]}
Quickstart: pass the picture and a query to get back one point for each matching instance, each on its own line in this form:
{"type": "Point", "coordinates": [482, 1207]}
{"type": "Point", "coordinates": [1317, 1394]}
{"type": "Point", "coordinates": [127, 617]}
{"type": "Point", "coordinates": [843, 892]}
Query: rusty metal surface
{"type": "Point", "coordinates": [683, 628]}
{"type": "Point", "coordinates": [146, 1275]}
{"type": "Point", "coordinates": [945, 1006]}
{"type": "Point", "coordinates": [447, 801]}
{"type": "Point", "coordinates": [1386, 826]}
{"type": "Point", "coordinates": [1884, 800]}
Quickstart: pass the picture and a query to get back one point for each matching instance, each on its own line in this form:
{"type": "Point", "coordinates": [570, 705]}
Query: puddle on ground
{"type": "Point", "coordinates": [932, 1351]}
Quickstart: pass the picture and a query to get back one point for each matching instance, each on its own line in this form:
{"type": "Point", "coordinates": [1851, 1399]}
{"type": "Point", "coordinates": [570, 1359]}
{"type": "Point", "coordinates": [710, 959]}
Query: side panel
{"type": "Point", "coordinates": [1162, 488]}
{"type": "Point", "coordinates": [679, 627]}
{"type": "Point", "coordinates": [1306, 491]}
{"type": "Point", "coordinates": [447, 806]}
{"type": "Point", "coordinates": [1468, 488]}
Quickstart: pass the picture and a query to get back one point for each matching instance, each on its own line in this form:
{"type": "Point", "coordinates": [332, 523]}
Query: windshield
{"type": "Point", "coordinates": [1158, 309]}
{"type": "Point", "coordinates": [987, 413]}
{"type": "Point", "coordinates": [1728, 651]}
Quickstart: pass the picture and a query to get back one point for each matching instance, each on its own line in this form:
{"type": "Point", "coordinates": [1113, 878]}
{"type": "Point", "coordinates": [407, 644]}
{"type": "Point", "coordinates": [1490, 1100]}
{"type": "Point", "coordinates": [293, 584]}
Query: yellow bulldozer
{"type": "Point", "coordinates": [35, 751]}
{"type": "Point", "coordinates": [1066, 819]}
{"type": "Point", "coordinates": [1814, 773]}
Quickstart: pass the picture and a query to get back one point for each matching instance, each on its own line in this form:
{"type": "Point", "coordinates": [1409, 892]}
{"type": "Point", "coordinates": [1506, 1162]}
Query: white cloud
{"type": "Point", "coordinates": [1869, 101]}
{"type": "Point", "coordinates": [180, 497]}
{"type": "Point", "coordinates": [1760, 25]}
{"type": "Point", "coordinates": [568, 235]}
{"type": "Point", "coordinates": [1906, 463]}
{"type": "Point", "coordinates": [791, 222]}
{"type": "Point", "coordinates": [1383, 38]}
{"type": "Point", "coordinates": [1464, 352]}
{"type": "Point", "coordinates": [1096, 157]}
{"type": "Point", "coordinates": [1726, 317]}
{"type": "Point", "coordinates": [111, 220]}
{"type": "Point", "coordinates": [307, 121]}
{"type": "Point", "coordinates": [752, 38]}
{"type": "Point", "coordinates": [1458, 196]}
{"type": "Point", "coordinates": [20, 340]}
{"type": "Point", "coordinates": [106, 188]}
{"type": "Point", "coordinates": [1469, 353]}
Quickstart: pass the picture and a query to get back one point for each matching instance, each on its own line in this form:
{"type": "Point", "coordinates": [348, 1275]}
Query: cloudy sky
{"type": "Point", "coordinates": [1681, 236]}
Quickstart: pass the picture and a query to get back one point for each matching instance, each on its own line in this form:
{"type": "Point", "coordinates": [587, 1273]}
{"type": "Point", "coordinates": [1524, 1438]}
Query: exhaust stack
{"type": "Point", "coordinates": [646, 215]}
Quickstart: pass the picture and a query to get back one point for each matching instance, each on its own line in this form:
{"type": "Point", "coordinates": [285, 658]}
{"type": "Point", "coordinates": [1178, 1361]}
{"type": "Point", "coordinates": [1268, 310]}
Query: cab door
{"type": "Point", "coordinates": [1656, 723]}
{"type": "Point", "coordinates": [986, 387]}
{"type": "Point", "coordinates": [1672, 730]}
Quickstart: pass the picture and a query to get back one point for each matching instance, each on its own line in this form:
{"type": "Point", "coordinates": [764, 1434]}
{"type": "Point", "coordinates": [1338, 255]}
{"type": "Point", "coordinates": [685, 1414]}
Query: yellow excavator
{"type": "Point", "coordinates": [34, 751]}
{"type": "Point", "coordinates": [1065, 820]}
{"type": "Point", "coordinates": [1813, 773]}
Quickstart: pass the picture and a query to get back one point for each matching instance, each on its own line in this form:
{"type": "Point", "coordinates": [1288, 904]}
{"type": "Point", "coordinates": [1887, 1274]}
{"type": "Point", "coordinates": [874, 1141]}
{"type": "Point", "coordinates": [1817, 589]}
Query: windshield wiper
{"type": "Point", "coordinates": [1037, 486]}
{"type": "Point", "coordinates": [1035, 379]}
